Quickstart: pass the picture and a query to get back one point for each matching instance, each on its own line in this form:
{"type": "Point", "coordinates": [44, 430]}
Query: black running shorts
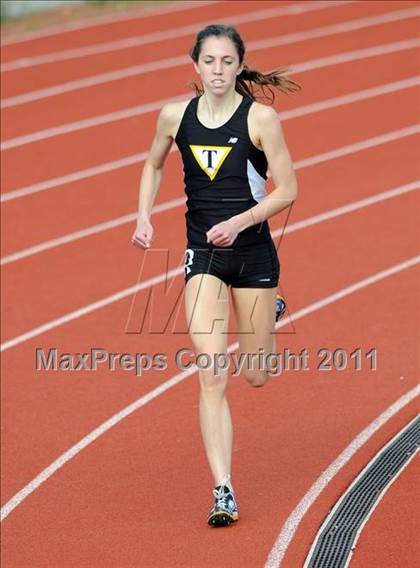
{"type": "Point", "coordinates": [254, 266]}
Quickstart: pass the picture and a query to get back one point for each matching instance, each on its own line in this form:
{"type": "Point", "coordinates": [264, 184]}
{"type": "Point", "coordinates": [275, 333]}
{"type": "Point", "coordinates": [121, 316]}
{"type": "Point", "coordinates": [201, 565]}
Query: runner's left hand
{"type": "Point", "coordinates": [223, 234]}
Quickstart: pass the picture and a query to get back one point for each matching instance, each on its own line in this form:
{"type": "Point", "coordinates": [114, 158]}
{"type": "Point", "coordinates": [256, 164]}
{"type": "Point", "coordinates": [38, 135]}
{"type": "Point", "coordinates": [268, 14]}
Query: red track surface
{"type": "Point", "coordinates": [138, 495]}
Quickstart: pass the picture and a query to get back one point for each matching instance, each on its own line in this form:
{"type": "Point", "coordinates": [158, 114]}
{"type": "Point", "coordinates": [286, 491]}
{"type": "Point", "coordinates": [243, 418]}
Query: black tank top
{"type": "Point", "coordinates": [224, 174]}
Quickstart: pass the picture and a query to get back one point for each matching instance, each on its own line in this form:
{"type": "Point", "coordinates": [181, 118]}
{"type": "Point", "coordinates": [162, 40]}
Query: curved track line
{"type": "Point", "coordinates": [290, 526]}
{"type": "Point", "coordinates": [101, 21]}
{"type": "Point", "coordinates": [138, 158]}
{"type": "Point", "coordinates": [180, 60]}
{"type": "Point", "coordinates": [19, 497]}
{"type": "Point", "coordinates": [179, 270]}
{"type": "Point", "coordinates": [381, 496]}
{"type": "Point", "coordinates": [376, 458]}
{"type": "Point", "coordinates": [157, 105]}
{"type": "Point", "coordinates": [172, 33]}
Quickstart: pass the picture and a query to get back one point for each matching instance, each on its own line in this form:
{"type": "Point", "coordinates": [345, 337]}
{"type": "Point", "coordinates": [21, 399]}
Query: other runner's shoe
{"type": "Point", "coordinates": [225, 510]}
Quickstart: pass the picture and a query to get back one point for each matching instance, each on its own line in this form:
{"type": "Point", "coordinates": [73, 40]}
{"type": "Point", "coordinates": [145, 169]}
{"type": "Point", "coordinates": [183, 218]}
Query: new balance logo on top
{"type": "Point", "coordinates": [232, 140]}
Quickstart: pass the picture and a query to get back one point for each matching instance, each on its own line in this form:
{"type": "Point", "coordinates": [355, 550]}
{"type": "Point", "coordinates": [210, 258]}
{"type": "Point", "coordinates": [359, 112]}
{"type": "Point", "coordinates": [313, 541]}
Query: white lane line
{"type": "Point", "coordinates": [138, 158]}
{"type": "Point", "coordinates": [127, 113]}
{"type": "Point", "coordinates": [356, 147]}
{"type": "Point", "coordinates": [291, 525]}
{"type": "Point", "coordinates": [142, 401]}
{"type": "Point", "coordinates": [341, 27]}
{"type": "Point", "coordinates": [357, 96]}
{"type": "Point", "coordinates": [350, 207]}
{"type": "Point", "coordinates": [297, 112]}
{"type": "Point", "coordinates": [76, 176]}
{"type": "Point", "coordinates": [70, 237]}
{"type": "Point", "coordinates": [170, 63]}
{"type": "Point", "coordinates": [154, 37]}
{"type": "Point", "coordinates": [364, 53]}
{"type": "Point", "coordinates": [180, 270]}
{"type": "Point", "coordinates": [145, 12]}
{"type": "Point", "coordinates": [90, 122]}
{"type": "Point", "coordinates": [131, 217]}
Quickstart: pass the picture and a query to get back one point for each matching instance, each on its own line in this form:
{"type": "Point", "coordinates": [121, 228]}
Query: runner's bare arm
{"type": "Point", "coordinates": [272, 141]}
{"type": "Point", "coordinates": [153, 166]}
{"type": "Point", "coordinates": [152, 173]}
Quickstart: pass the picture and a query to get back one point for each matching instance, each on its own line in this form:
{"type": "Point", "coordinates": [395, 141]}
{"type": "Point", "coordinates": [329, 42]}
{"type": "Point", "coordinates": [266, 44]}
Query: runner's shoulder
{"type": "Point", "coordinates": [172, 113]}
{"type": "Point", "coordinates": [264, 112]}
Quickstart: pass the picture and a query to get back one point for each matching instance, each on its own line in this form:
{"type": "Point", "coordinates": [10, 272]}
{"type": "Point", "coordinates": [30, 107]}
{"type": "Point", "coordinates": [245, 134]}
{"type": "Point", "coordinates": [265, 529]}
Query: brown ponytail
{"type": "Point", "coordinates": [249, 77]}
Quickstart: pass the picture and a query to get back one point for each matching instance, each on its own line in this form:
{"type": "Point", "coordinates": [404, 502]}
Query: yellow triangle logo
{"type": "Point", "coordinates": [210, 158]}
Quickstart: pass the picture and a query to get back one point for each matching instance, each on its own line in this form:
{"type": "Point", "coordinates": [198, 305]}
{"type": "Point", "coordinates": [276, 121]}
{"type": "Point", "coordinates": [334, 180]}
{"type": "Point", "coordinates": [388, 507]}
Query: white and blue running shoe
{"type": "Point", "coordinates": [280, 307]}
{"type": "Point", "coordinates": [225, 510]}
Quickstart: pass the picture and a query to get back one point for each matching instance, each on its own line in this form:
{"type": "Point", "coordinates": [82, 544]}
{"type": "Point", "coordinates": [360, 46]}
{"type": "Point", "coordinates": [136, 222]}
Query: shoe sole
{"type": "Point", "coordinates": [222, 519]}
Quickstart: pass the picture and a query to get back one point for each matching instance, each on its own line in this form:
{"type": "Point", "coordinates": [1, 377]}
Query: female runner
{"type": "Point", "coordinates": [226, 140]}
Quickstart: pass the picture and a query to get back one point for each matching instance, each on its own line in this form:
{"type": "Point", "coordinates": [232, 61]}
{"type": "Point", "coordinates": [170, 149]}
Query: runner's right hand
{"type": "Point", "coordinates": [143, 235]}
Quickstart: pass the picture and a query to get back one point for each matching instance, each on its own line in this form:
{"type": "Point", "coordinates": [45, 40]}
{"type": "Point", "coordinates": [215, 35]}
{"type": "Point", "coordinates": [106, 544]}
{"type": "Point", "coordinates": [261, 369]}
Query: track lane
{"type": "Point", "coordinates": [97, 64]}
{"type": "Point", "coordinates": [301, 422]}
{"type": "Point", "coordinates": [155, 37]}
{"type": "Point", "coordinates": [91, 279]}
{"type": "Point", "coordinates": [123, 138]}
{"type": "Point", "coordinates": [111, 29]}
{"type": "Point", "coordinates": [306, 531]}
{"type": "Point", "coordinates": [59, 72]}
{"type": "Point", "coordinates": [84, 102]}
{"type": "Point", "coordinates": [150, 474]}
{"type": "Point", "coordinates": [91, 397]}
{"type": "Point", "coordinates": [89, 201]}
{"type": "Point", "coordinates": [137, 44]}
{"type": "Point", "coordinates": [128, 113]}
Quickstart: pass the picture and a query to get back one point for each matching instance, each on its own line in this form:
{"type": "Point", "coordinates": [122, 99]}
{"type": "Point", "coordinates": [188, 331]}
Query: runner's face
{"type": "Point", "coordinates": [218, 64]}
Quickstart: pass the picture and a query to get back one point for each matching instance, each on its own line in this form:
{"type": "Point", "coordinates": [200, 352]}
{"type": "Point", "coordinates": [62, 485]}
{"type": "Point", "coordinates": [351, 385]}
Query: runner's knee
{"type": "Point", "coordinates": [256, 378]}
{"type": "Point", "coordinates": [212, 383]}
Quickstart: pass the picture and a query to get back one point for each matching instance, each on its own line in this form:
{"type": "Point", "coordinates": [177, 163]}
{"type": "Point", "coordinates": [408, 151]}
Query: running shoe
{"type": "Point", "coordinates": [225, 510]}
{"type": "Point", "coordinates": [280, 307]}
